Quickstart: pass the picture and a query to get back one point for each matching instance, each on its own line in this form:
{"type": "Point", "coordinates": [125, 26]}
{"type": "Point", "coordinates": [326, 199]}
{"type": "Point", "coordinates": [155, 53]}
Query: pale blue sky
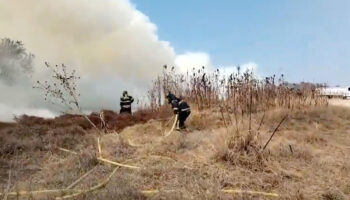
{"type": "Point", "coordinates": [304, 39]}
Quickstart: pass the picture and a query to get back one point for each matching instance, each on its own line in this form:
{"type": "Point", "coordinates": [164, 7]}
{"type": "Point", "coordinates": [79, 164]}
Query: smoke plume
{"type": "Point", "coordinates": [15, 62]}
{"type": "Point", "coordinates": [112, 45]}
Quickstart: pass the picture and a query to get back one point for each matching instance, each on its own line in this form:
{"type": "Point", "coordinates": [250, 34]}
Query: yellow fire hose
{"type": "Point", "coordinates": [172, 128]}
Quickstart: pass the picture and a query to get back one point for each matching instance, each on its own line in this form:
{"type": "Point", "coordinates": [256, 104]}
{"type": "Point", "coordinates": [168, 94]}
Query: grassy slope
{"type": "Point", "coordinates": [5, 125]}
{"type": "Point", "coordinates": [309, 158]}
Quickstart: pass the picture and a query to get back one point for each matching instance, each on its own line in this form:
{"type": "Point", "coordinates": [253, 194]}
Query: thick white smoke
{"type": "Point", "coordinates": [114, 47]}
{"type": "Point", "coordinates": [15, 62]}
{"type": "Point", "coordinates": [189, 60]}
{"type": "Point", "coordinates": [195, 60]}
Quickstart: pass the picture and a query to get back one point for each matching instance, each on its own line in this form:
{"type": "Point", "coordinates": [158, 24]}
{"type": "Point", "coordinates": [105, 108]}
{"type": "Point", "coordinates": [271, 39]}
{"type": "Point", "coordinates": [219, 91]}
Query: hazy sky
{"type": "Point", "coordinates": [306, 40]}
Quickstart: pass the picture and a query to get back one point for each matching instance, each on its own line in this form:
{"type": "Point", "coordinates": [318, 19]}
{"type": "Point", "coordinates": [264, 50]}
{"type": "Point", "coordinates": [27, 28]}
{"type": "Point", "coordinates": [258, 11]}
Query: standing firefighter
{"type": "Point", "coordinates": [125, 103]}
{"type": "Point", "coordinates": [180, 108]}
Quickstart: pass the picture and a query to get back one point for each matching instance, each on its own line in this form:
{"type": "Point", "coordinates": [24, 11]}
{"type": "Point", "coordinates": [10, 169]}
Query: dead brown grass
{"type": "Point", "coordinates": [308, 158]}
{"type": "Point", "coordinates": [113, 121]}
{"type": "Point", "coordinates": [4, 125]}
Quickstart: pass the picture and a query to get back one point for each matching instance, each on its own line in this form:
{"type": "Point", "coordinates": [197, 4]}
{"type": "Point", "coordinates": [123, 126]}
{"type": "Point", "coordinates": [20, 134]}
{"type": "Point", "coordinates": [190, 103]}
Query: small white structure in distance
{"type": "Point", "coordinates": [336, 92]}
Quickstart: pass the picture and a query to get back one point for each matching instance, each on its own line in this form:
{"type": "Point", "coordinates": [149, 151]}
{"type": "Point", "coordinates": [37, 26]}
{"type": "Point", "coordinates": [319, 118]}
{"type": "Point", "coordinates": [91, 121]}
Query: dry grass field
{"type": "Point", "coordinates": [246, 139]}
{"type": "Point", "coordinates": [308, 158]}
{"type": "Point", "coordinates": [340, 102]}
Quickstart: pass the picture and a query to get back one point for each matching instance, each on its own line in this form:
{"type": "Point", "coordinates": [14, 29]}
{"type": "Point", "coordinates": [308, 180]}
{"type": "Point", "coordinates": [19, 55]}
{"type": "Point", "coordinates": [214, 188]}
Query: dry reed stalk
{"type": "Point", "coordinates": [39, 192]}
{"type": "Point", "coordinates": [223, 117]}
{"type": "Point", "coordinates": [273, 133]}
{"type": "Point", "coordinates": [99, 147]}
{"type": "Point", "coordinates": [250, 109]}
{"type": "Point", "coordinates": [228, 114]}
{"type": "Point", "coordinates": [172, 128]}
{"type": "Point", "coordinates": [116, 163]}
{"type": "Point", "coordinates": [100, 158]}
{"type": "Point", "coordinates": [227, 191]}
{"type": "Point", "coordinates": [168, 122]}
{"type": "Point", "coordinates": [262, 120]}
{"type": "Point", "coordinates": [103, 160]}
{"type": "Point", "coordinates": [207, 89]}
{"type": "Point", "coordinates": [80, 179]}
{"type": "Point", "coordinates": [91, 189]}
{"type": "Point", "coordinates": [238, 191]}
{"type": "Point", "coordinates": [67, 151]}
{"type": "Point", "coordinates": [236, 120]}
{"type": "Point", "coordinates": [157, 157]}
{"type": "Point", "coordinates": [149, 192]}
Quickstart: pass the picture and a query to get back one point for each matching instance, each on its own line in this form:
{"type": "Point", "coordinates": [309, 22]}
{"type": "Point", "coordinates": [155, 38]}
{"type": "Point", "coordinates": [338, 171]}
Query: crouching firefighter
{"type": "Point", "coordinates": [125, 103]}
{"type": "Point", "coordinates": [180, 108]}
